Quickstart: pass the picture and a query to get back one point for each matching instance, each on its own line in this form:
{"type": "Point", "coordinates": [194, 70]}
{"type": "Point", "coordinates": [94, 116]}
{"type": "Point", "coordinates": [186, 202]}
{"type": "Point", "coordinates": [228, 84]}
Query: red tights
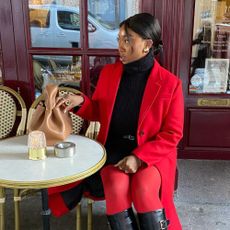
{"type": "Point", "coordinates": [141, 189]}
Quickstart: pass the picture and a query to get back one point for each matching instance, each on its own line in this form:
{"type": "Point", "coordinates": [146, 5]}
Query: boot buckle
{"type": "Point", "coordinates": [163, 224]}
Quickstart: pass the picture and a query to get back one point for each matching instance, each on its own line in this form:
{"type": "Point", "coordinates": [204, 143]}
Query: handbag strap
{"type": "Point", "coordinates": [51, 94]}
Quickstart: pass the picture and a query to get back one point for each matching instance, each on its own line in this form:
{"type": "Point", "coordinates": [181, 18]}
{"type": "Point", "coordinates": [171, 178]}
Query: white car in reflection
{"type": "Point", "coordinates": [59, 26]}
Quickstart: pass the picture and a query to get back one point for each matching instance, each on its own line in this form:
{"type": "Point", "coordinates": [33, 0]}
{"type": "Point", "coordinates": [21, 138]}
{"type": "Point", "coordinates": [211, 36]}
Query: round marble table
{"type": "Point", "coordinates": [18, 172]}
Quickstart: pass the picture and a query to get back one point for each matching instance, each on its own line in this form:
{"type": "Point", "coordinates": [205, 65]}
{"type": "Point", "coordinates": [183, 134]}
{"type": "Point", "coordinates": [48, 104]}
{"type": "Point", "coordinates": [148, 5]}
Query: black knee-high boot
{"type": "Point", "coordinates": [123, 220]}
{"type": "Point", "coordinates": [155, 220]}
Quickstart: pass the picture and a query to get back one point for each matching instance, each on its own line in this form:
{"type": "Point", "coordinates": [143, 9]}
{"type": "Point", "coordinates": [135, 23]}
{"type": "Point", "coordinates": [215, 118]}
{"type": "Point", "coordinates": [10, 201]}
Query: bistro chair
{"type": "Point", "coordinates": [77, 123]}
{"type": "Point", "coordinates": [12, 113]}
{"type": "Point", "coordinates": [12, 122]}
{"type": "Point", "coordinates": [91, 132]}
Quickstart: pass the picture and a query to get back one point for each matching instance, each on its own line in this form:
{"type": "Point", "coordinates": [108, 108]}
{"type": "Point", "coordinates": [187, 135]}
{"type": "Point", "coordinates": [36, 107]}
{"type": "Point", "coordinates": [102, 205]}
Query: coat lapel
{"type": "Point", "coordinates": [151, 91]}
{"type": "Point", "coordinates": [114, 82]}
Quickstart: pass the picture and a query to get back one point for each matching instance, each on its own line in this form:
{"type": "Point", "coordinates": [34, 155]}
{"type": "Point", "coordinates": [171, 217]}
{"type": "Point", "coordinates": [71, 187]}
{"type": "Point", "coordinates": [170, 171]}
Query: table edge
{"type": "Point", "coordinates": [56, 182]}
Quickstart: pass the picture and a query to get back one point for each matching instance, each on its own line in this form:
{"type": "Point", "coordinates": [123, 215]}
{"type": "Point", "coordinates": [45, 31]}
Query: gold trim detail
{"type": "Point", "coordinates": [213, 102]}
{"type": "Point", "coordinates": [55, 182]}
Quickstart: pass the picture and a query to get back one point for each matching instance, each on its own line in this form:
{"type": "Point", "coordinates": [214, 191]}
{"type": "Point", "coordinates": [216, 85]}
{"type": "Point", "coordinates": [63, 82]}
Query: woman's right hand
{"type": "Point", "coordinates": [70, 101]}
{"type": "Point", "coordinates": [129, 164]}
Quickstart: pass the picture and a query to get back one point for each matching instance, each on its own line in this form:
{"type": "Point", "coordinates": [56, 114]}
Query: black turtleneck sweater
{"type": "Point", "coordinates": [123, 127]}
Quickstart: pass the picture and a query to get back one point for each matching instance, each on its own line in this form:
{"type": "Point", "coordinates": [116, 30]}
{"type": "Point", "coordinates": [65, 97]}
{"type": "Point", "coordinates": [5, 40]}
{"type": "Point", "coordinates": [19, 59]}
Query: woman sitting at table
{"type": "Point", "coordinates": [140, 107]}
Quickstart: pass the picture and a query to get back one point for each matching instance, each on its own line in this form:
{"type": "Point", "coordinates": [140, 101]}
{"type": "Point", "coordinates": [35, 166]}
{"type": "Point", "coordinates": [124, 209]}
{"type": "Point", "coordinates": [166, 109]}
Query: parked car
{"type": "Point", "coordinates": [59, 26]}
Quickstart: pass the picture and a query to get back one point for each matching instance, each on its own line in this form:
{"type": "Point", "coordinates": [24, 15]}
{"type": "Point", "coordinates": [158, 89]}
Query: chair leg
{"type": "Point", "coordinates": [17, 199]}
{"type": "Point", "coordinates": [78, 217]}
{"type": "Point", "coordinates": [90, 214]}
{"type": "Point", "coordinates": [2, 208]}
{"type": "Point", "coordinates": [46, 212]}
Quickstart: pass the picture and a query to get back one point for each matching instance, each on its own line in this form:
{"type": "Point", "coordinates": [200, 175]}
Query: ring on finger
{"type": "Point", "coordinates": [67, 102]}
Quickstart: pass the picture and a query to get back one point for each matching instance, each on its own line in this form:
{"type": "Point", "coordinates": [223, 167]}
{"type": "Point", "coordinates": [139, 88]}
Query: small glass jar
{"type": "Point", "coordinates": [37, 145]}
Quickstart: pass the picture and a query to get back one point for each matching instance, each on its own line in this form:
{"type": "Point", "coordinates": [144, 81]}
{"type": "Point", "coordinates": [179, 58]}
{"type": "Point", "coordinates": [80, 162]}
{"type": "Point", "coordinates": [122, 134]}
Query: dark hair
{"type": "Point", "coordinates": [147, 26]}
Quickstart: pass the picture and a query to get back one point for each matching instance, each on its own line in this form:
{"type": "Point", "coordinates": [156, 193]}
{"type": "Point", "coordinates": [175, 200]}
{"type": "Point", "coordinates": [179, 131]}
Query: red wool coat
{"type": "Point", "coordinates": [160, 124]}
{"type": "Point", "coordinates": [159, 129]}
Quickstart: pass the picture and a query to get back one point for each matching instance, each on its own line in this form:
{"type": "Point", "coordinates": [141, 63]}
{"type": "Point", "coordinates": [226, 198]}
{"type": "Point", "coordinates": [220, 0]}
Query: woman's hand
{"type": "Point", "coordinates": [129, 164]}
{"type": "Point", "coordinates": [69, 101]}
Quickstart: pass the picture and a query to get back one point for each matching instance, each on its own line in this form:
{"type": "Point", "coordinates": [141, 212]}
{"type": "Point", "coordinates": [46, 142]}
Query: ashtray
{"type": "Point", "coordinates": [64, 149]}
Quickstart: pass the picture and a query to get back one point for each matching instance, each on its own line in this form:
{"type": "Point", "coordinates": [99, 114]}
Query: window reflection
{"type": "Point", "coordinates": [57, 23]}
{"type": "Point", "coordinates": [211, 47]}
{"type": "Point", "coordinates": [49, 69]}
{"type": "Point", "coordinates": [68, 20]}
{"type": "Point", "coordinates": [39, 18]}
{"type": "Point", "coordinates": [54, 25]}
{"type": "Point", "coordinates": [106, 16]}
{"type": "Point", "coordinates": [96, 65]}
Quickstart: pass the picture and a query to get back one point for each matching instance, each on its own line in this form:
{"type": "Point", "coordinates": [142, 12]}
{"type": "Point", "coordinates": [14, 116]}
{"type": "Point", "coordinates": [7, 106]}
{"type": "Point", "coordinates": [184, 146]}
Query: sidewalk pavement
{"type": "Point", "coordinates": [202, 200]}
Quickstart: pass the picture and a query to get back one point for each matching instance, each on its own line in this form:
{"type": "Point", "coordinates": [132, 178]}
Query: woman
{"type": "Point", "coordinates": [140, 107]}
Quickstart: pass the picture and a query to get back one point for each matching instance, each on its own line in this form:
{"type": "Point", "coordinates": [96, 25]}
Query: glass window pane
{"type": "Point", "coordinates": [96, 64]}
{"type": "Point", "coordinates": [104, 17]}
{"type": "Point", "coordinates": [54, 25]}
{"type": "Point", "coordinates": [60, 70]}
{"type": "Point", "coordinates": [211, 47]}
{"type": "Point", "coordinates": [68, 20]}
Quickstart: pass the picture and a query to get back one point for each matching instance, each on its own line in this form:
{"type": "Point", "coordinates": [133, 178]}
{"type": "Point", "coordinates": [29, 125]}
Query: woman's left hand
{"type": "Point", "coordinates": [129, 164]}
{"type": "Point", "coordinates": [69, 101]}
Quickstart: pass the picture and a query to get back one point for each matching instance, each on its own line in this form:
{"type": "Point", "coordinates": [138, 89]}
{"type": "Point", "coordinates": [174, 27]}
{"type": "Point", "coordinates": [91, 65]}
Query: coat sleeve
{"type": "Point", "coordinates": [155, 148]}
{"type": "Point", "coordinates": [90, 109]}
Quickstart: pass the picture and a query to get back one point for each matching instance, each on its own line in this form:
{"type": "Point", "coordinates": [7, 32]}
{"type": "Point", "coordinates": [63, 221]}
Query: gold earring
{"type": "Point", "coordinates": [146, 50]}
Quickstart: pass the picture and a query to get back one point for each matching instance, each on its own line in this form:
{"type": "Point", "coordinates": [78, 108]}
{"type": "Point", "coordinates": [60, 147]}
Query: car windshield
{"type": "Point", "coordinates": [107, 25]}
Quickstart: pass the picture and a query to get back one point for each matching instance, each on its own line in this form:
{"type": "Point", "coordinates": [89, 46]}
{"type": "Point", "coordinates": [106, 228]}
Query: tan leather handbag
{"type": "Point", "coordinates": [50, 118]}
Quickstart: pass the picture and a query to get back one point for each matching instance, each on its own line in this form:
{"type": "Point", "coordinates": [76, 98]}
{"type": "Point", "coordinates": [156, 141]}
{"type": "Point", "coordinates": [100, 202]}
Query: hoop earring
{"type": "Point", "coordinates": [146, 50]}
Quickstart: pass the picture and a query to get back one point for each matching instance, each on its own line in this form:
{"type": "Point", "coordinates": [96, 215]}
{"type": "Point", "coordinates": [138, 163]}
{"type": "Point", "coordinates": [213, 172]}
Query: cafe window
{"type": "Point", "coordinates": [96, 64]}
{"type": "Point", "coordinates": [210, 48]}
{"type": "Point", "coordinates": [106, 17]}
{"type": "Point", "coordinates": [59, 70]}
{"type": "Point", "coordinates": [54, 25]}
{"type": "Point", "coordinates": [39, 17]}
{"type": "Point", "coordinates": [68, 20]}
{"type": "Point", "coordinates": [65, 50]}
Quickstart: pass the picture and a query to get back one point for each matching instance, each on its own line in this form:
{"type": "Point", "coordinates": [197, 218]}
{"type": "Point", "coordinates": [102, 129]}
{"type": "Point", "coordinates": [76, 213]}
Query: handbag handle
{"type": "Point", "coordinates": [51, 93]}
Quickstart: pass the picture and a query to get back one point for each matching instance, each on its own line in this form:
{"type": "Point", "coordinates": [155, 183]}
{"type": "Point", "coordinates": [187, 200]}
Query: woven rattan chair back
{"type": "Point", "coordinates": [93, 129]}
{"type": "Point", "coordinates": [12, 113]}
{"type": "Point", "coordinates": [77, 121]}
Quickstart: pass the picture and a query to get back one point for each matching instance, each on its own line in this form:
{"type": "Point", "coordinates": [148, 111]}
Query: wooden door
{"type": "Point", "coordinates": [206, 80]}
